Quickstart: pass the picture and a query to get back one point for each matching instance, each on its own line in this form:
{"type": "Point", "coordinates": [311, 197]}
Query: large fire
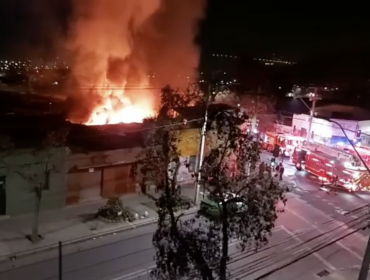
{"type": "Point", "coordinates": [116, 107]}
{"type": "Point", "coordinates": [117, 43]}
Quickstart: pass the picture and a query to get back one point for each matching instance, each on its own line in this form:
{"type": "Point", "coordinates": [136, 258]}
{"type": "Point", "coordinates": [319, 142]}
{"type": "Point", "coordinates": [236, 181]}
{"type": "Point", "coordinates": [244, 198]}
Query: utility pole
{"type": "Point", "coordinates": [313, 98]}
{"type": "Point", "coordinates": [198, 166]}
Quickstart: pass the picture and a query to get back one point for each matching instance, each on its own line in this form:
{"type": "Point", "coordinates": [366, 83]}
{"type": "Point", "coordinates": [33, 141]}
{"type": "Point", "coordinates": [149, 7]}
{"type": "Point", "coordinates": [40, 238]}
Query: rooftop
{"type": "Point", "coordinates": [106, 137]}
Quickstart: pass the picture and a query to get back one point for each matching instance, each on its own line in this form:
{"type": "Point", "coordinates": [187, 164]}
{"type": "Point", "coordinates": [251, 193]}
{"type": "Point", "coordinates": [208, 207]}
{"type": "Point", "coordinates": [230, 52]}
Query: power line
{"type": "Point", "coordinates": [264, 261]}
{"type": "Point", "coordinates": [312, 251]}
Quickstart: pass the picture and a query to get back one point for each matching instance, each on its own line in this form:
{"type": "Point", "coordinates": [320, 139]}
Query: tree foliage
{"type": "Point", "coordinates": [197, 247]}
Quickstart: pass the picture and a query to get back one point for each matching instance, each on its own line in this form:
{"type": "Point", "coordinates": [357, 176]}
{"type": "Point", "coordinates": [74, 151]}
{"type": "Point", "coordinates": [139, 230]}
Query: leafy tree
{"type": "Point", "coordinates": [197, 248]}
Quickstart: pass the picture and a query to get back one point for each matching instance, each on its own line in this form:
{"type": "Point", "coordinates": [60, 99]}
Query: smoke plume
{"type": "Point", "coordinates": [120, 44]}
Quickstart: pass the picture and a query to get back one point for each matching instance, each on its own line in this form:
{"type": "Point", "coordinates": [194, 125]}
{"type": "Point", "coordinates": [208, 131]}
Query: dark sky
{"type": "Point", "coordinates": [296, 29]}
{"type": "Point", "coordinates": [288, 29]}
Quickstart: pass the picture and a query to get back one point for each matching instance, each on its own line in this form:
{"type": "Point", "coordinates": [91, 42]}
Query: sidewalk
{"type": "Point", "coordinates": [71, 225]}
{"type": "Point", "coordinates": [289, 170]}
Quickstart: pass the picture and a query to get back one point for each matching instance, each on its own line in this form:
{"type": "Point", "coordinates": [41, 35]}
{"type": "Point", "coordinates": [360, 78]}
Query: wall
{"type": "Point", "coordinates": [350, 128]}
{"type": "Point", "coordinates": [18, 165]}
{"type": "Point", "coordinates": [324, 128]}
{"type": "Point", "coordinates": [100, 174]}
{"type": "Point", "coordinates": [188, 144]}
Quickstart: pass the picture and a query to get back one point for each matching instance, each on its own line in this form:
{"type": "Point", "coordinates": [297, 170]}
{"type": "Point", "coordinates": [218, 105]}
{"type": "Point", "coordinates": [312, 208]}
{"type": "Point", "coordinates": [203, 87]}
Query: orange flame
{"type": "Point", "coordinates": [117, 108]}
{"type": "Point", "coordinates": [118, 42]}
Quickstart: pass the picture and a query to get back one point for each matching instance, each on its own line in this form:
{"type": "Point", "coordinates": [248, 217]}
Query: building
{"type": "Point", "coordinates": [95, 163]}
{"type": "Point", "coordinates": [325, 130]}
{"type": "Point", "coordinates": [100, 162]}
{"type": "Point", "coordinates": [24, 164]}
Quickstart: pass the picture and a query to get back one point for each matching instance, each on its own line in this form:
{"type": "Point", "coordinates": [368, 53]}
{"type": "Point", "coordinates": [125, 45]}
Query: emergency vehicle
{"type": "Point", "coordinates": [332, 166]}
{"type": "Point", "coordinates": [286, 142]}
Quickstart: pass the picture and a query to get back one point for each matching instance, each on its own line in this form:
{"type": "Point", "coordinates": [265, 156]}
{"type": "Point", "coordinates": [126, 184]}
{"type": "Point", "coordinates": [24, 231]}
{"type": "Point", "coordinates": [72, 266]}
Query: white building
{"type": "Point", "coordinates": [325, 130]}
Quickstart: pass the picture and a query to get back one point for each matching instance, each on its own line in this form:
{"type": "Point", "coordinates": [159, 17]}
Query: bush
{"type": "Point", "coordinates": [114, 211]}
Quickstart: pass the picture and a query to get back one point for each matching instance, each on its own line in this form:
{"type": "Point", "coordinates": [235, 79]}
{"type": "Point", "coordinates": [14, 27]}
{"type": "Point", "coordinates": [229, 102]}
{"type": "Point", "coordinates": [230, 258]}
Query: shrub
{"type": "Point", "coordinates": [114, 210]}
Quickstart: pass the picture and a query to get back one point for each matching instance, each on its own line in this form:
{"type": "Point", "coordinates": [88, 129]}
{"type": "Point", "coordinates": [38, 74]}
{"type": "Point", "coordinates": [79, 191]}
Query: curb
{"type": "Point", "coordinates": [51, 247]}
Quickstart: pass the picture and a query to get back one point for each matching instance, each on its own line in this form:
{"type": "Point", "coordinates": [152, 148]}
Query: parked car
{"type": "Point", "coordinates": [212, 207]}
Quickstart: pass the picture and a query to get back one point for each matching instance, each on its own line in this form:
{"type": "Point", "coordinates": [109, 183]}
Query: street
{"type": "Point", "coordinates": [319, 233]}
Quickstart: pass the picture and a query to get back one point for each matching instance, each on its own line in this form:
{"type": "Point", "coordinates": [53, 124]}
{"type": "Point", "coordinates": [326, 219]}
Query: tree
{"type": "Point", "coordinates": [198, 247]}
{"type": "Point", "coordinates": [54, 140]}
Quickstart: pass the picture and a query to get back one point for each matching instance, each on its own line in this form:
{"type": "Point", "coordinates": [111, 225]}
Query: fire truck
{"type": "Point", "coordinates": [286, 142]}
{"type": "Point", "coordinates": [332, 166]}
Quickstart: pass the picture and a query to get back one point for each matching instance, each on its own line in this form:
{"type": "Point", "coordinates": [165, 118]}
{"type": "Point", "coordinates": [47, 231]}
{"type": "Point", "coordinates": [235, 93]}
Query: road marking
{"type": "Point", "coordinates": [325, 262]}
{"type": "Point", "coordinates": [321, 231]}
{"type": "Point", "coordinates": [144, 271]}
{"type": "Point", "coordinates": [341, 211]}
{"type": "Point", "coordinates": [135, 274]}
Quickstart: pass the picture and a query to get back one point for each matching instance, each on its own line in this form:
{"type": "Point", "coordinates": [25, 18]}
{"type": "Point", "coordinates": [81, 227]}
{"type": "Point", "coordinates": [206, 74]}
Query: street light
{"type": "Point", "coordinates": [366, 260]}
{"type": "Point", "coordinates": [312, 94]}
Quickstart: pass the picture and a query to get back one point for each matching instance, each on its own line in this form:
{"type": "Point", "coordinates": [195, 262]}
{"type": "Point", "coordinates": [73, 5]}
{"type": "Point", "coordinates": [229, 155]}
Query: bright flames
{"type": "Point", "coordinates": [117, 43]}
{"type": "Point", "coordinates": [117, 108]}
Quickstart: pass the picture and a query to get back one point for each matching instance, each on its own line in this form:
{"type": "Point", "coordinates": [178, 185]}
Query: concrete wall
{"type": "Point", "coordinates": [324, 128]}
{"type": "Point", "coordinates": [188, 144]}
{"type": "Point", "coordinates": [19, 165]}
{"type": "Point", "coordinates": [100, 174]}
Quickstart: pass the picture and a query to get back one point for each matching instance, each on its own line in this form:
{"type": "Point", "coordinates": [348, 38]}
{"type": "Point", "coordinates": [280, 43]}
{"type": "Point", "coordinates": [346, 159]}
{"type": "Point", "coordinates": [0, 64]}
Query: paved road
{"type": "Point", "coordinates": [116, 255]}
{"type": "Point", "coordinates": [338, 204]}
{"type": "Point", "coordinates": [313, 219]}
{"type": "Point", "coordinates": [301, 229]}
{"type": "Point", "coordinates": [298, 248]}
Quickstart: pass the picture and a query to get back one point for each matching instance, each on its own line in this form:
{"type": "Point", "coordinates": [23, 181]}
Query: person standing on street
{"type": "Point", "coordinates": [281, 171]}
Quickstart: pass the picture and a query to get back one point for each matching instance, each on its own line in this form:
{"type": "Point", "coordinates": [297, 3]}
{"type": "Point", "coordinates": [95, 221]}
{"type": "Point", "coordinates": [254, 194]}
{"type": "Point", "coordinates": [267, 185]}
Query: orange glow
{"type": "Point", "coordinates": [119, 43]}
{"type": "Point", "coordinates": [117, 108]}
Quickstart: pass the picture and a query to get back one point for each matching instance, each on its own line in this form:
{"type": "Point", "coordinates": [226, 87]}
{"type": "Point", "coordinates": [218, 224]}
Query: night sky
{"type": "Point", "coordinates": [257, 28]}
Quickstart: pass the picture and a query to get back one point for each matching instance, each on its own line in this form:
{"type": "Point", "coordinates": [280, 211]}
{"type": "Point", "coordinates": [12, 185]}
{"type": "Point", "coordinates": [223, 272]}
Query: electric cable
{"type": "Point", "coordinates": [300, 243]}
{"type": "Point", "coordinates": [108, 260]}
{"type": "Point", "coordinates": [291, 237]}
{"type": "Point", "coordinates": [311, 251]}
{"type": "Point", "coordinates": [296, 234]}
{"type": "Point", "coordinates": [266, 260]}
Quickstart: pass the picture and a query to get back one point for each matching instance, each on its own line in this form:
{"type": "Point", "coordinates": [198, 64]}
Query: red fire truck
{"type": "Point", "coordinates": [286, 142]}
{"type": "Point", "coordinates": [332, 166]}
